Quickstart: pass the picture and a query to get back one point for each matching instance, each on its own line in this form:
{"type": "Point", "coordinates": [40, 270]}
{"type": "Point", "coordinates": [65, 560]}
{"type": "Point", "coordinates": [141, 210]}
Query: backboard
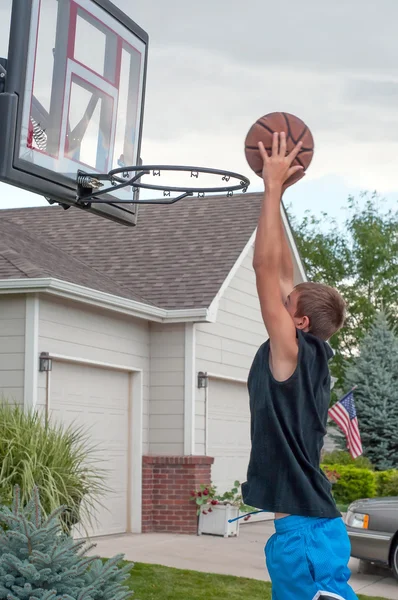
{"type": "Point", "coordinates": [73, 99]}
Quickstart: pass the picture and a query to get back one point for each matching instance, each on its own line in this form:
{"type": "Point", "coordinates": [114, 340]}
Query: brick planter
{"type": "Point", "coordinates": [167, 482]}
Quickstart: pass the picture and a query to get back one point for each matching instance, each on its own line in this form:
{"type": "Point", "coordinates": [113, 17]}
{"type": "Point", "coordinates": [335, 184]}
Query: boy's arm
{"type": "Point", "coordinates": [287, 270]}
{"type": "Point", "coordinates": [267, 260]}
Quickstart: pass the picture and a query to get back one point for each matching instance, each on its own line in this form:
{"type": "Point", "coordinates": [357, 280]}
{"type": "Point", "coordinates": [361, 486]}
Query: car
{"type": "Point", "coordinates": [372, 526]}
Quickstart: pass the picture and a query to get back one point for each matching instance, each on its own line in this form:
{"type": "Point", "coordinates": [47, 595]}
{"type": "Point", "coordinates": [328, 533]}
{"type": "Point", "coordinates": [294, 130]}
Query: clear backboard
{"type": "Point", "coordinates": [72, 98]}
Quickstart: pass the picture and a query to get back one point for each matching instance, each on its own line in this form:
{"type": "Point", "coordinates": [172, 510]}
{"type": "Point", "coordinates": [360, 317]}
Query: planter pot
{"type": "Point", "coordinates": [216, 522]}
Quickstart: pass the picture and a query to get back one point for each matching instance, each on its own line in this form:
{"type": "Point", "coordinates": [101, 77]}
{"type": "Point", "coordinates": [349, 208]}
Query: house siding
{"type": "Point", "coordinates": [166, 414]}
{"type": "Point", "coordinates": [70, 329]}
{"type": "Point", "coordinates": [227, 347]}
{"type": "Point", "coordinates": [12, 347]}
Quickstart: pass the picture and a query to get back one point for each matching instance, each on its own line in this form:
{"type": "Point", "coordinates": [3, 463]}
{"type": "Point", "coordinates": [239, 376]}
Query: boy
{"type": "Point", "coordinates": [289, 388]}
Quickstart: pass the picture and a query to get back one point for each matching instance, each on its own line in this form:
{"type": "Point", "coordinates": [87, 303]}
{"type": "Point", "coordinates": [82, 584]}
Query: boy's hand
{"type": "Point", "coordinates": [288, 184]}
{"type": "Point", "coordinates": [277, 168]}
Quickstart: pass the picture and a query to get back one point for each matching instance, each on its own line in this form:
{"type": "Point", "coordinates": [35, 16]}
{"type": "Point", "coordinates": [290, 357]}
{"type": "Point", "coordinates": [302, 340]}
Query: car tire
{"type": "Point", "coordinates": [394, 559]}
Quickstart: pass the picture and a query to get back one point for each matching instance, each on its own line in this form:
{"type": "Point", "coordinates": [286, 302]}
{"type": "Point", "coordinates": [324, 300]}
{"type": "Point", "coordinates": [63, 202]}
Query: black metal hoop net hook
{"type": "Point", "coordinates": [90, 187]}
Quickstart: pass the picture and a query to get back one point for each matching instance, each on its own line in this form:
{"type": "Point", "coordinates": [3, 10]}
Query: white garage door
{"type": "Point", "coordinates": [228, 432]}
{"type": "Point", "coordinates": [98, 399]}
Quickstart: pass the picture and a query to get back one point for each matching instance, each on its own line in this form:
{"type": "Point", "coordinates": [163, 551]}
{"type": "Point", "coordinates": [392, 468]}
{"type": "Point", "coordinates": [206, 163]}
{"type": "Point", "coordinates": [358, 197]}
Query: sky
{"type": "Point", "coordinates": [216, 66]}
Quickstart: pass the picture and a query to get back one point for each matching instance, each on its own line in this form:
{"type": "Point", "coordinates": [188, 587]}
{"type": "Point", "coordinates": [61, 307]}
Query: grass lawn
{"type": "Point", "coordinates": [153, 582]}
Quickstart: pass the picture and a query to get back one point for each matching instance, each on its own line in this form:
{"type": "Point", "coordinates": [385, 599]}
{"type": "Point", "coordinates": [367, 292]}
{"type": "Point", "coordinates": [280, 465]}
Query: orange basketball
{"type": "Point", "coordinates": [296, 131]}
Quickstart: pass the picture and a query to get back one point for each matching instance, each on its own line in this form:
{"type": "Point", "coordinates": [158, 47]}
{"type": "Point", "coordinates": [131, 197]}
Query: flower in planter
{"type": "Point", "coordinates": [207, 495]}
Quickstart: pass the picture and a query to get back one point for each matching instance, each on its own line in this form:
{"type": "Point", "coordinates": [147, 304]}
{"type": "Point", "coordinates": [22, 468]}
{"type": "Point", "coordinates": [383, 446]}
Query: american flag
{"type": "Point", "coordinates": [344, 414]}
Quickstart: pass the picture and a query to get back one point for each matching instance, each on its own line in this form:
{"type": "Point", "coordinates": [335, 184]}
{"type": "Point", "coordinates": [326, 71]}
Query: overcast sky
{"type": "Point", "coordinates": [215, 66]}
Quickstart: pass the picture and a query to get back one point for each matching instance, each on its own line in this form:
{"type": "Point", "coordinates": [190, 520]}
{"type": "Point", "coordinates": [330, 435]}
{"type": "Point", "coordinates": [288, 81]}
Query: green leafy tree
{"type": "Point", "coordinates": [360, 259]}
{"type": "Point", "coordinates": [375, 373]}
{"type": "Point", "coordinates": [38, 561]}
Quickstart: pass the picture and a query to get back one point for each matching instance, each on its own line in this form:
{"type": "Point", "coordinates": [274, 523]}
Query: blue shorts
{"type": "Point", "coordinates": [307, 559]}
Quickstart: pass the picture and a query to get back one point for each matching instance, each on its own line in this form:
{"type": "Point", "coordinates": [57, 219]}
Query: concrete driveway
{"type": "Point", "coordinates": [242, 556]}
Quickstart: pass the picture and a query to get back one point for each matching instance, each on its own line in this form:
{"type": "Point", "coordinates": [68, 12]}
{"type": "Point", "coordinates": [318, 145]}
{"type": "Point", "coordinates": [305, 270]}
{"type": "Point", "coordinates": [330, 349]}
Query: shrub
{"type": "Point", "coordinates": [386, 483]}
{"type": "Point", "coordinates": [39, 561]}
{"type": "Point", "coordinates": [340, 457]}
{"type": "Point", "coordinates": [353, 483]}
{"type": "Point", "coordinates": [59, 460]}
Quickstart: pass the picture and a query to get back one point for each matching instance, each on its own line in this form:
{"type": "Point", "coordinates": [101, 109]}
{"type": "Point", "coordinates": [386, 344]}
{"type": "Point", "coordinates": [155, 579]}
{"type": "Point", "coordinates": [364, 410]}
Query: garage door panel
{"type": "Point", "coordinates": [98, 400]}
{"type": "Point", "coordinates": [228, 432]}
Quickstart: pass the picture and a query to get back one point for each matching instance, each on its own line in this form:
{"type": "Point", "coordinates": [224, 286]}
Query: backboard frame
{"type": "Point", "coordinates": [15, 170]}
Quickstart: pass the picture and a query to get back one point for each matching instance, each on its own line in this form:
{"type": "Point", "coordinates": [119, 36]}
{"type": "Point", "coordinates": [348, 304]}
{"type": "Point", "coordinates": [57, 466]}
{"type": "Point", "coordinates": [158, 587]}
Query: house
{"type": "Point", "coordinates": [134, 320]}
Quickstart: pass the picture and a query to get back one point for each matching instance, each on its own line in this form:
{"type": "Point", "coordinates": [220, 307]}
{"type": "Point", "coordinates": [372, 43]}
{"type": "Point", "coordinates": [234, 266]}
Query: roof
{"type": "Point", "coordinates": [23, 255]}
{"type": "Point", "coordinates": [176, 257]}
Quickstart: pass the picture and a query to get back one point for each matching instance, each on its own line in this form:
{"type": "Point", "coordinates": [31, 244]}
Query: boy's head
{"type": "Point", "coordinates": [316, 308]}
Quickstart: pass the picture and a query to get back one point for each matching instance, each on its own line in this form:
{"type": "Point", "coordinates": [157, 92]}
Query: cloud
{"type": "Point", "coordinates": [314, 34]}
{"type": "Point", "coordinates": [373, 93]}
{"type": "Point", "coordinates": [215, 67]}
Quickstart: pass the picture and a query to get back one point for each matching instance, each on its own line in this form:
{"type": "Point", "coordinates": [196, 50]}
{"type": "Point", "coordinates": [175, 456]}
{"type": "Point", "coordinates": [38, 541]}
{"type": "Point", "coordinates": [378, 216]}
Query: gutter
{"type": "Point", "coordinates": [71, 291]}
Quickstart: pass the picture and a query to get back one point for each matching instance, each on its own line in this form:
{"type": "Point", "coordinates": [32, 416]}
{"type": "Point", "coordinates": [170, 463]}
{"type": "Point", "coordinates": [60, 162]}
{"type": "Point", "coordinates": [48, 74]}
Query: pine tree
{"type": "Point", "coordinates": [375, 373]}
{"type": "Point", "coordinates": [38, 561]}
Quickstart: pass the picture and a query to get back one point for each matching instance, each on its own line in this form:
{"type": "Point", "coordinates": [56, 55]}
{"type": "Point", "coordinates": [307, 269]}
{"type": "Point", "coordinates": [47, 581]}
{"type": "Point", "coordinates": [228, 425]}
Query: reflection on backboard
{"type": "Point", "coordinates": [79, 97]}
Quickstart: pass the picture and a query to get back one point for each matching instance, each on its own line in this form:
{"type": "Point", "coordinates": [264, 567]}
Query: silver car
{"type": "Point", "coordinates": [372, 526]}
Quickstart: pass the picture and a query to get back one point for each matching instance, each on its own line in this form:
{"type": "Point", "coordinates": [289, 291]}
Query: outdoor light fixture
{"type": "Point", "coordinates": [45, 362]}
{"type": "Point", "coordinates": [202, 380]}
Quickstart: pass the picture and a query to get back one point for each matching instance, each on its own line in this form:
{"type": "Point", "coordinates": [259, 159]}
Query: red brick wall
{"type": "Point", "coordinates": [167, 482]}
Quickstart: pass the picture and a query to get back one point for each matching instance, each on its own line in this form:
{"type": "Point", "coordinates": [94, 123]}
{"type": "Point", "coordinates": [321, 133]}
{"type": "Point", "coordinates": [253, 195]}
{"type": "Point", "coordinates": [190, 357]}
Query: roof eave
{"type": "Point", "coordinates": [72, 291]}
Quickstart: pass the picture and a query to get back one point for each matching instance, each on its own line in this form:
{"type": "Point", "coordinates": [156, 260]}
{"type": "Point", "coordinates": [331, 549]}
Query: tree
{"type": "Point", "coordinates": [375, 373]}
{"type": "Point", "coordinates": [38, 561]}
{"type": "Point", "coordinates": [360, 259]}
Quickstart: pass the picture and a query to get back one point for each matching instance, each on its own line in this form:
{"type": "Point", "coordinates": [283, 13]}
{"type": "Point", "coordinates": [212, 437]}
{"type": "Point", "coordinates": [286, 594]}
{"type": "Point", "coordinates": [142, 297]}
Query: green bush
{"type": "Point", "coordinates": [59, 460]}
{"type": "Point", "coordinates": [353, 483]}
{"type": "Point", "coordinates": [341, 457]}
{"type": "Point", "coordinates": [386, 483]}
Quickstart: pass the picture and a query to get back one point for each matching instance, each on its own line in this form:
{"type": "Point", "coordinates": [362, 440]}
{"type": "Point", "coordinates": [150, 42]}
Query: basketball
{"type": "Point", "coordinates": [296, 131]}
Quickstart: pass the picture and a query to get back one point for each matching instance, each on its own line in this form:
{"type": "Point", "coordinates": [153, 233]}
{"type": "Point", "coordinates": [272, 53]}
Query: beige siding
{"type": "Point", "coordinates": [228, 346]}
{"type": "Point", "coordinates": [12, 347]}
{"type": "Point", "coordinates": [166, 418]}
{"type": "Point", "coordinates": [76, 331]}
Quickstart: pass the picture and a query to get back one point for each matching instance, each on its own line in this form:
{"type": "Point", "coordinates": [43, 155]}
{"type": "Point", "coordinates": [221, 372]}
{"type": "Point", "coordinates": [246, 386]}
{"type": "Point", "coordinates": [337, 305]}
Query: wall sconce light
{"type": "Point", "coordinates": [202, 380]}
{"type": "Point", "coordinates": [45, 362]}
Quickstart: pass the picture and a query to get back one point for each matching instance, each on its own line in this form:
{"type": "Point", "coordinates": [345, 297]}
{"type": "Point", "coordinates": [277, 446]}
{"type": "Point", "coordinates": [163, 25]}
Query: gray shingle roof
{"type": "Point", "coordinates": [176, 257]}
{"type": "Point", "coordinates": [23, 255]}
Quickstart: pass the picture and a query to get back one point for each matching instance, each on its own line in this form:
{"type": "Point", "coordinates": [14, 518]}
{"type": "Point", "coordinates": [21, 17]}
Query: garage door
{"type": "Point", "coordinates": [98, 399]}
{"type": "Point", "coordinates": [228, 432]}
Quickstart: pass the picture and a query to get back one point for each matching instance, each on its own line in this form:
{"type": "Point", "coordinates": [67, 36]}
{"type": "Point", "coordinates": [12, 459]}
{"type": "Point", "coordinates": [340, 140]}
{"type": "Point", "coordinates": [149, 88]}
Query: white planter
{"type": "Point", "coordinates": [216, 522]}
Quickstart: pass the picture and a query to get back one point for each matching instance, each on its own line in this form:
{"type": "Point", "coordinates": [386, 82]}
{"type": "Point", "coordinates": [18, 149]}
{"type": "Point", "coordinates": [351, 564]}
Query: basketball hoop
{"type": "Point", "coordinates": [90, 185]}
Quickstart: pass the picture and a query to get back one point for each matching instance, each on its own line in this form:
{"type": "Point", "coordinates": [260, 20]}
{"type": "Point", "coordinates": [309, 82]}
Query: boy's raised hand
{"type": "Point", "coordinates": [277, 168]}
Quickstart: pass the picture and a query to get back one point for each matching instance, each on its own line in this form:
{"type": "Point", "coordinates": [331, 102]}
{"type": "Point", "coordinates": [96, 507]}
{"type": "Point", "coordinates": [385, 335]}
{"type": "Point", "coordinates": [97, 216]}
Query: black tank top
{"type": "Point", "coordinates": [288, 424]}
